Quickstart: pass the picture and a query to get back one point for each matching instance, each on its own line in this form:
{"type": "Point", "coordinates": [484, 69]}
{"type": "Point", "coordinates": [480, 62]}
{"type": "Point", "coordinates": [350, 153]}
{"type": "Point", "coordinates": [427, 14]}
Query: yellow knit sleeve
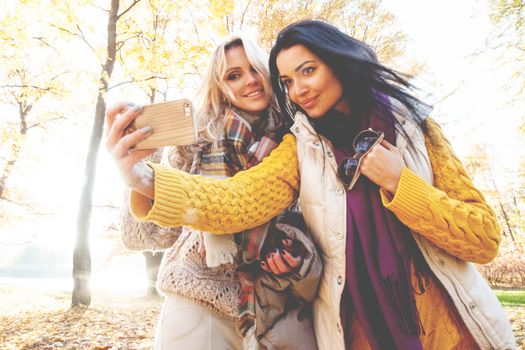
{"type": "Point", "coordinates": [248, 199]}
{"type": "Point", "coordinates": [454, 214]}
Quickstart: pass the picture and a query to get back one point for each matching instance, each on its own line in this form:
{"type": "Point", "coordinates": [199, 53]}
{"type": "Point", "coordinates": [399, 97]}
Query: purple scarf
{"type": "Point", "coordinates": [379, 251]}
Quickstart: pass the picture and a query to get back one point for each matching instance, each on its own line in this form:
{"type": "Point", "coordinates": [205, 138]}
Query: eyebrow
{"type": "Point", "coordinates": [300, 66]}
{"type": "Point", "coordinates": [230, 69]}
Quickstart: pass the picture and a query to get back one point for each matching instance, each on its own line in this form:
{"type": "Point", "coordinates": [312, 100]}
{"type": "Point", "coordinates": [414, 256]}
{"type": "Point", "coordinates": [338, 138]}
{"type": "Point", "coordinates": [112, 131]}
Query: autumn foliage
{"type": "Point", "coordinates": [507, 270]}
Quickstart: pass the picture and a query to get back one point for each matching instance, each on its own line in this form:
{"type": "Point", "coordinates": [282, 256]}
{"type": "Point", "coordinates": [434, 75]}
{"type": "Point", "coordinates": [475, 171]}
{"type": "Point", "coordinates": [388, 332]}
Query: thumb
{"type": "Point", "coordinates": [138, 155]}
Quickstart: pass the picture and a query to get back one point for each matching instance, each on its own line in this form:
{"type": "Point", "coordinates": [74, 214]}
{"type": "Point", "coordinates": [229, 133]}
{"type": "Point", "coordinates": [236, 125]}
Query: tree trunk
{"type": "Point", "coordinates": [15, 148]}
{"type": "Point", "coordinates": [153, 260]}
{"type": "Point", "coordinates": [503, 210]}
{"type": "Point", "coordinates": [507, 222]}
{"type": "Point", "coordinates": [81, 256]}
{"type": "Point", "coordinates": [15, 151]}
{"type": "Point", "coordinates": [152, 95]}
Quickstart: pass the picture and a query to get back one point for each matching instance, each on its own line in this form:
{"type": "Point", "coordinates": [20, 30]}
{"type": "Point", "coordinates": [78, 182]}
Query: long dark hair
{"type": "Point", "coordinates": [363, 78]}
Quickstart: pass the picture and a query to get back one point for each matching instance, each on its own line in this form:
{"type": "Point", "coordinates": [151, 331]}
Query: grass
{"type": "Point", "coordinates": [511, 297]}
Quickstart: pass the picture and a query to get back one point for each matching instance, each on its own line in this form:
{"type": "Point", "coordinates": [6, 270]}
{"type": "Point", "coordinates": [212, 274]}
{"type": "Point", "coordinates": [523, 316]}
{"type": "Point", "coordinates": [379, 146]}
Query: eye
{"type": "Point", "coordinates": [253, 70]}
{"type": "Point", "coordinates": [286, 82]}
{"type": "Point", "coordinates": [233, 76]}
{"type": "Point", "coordinates": [308, 70]}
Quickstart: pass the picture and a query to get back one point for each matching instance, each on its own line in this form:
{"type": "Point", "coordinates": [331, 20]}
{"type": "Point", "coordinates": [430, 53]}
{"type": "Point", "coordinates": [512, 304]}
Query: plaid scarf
{"type": "Point", "coordinates": [247, 146]}
{"type": "Point", "coordinates": [244, 145]}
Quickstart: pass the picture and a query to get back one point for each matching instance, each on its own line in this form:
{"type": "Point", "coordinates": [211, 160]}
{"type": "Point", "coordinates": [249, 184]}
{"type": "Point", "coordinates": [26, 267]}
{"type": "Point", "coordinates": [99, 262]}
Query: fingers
{"type": "Point", "coordinates": [265, 267]}
{"type": "Point", "coordinates": [287, 243]}
{"type": "Point", "coordinates": [125, 143]}
{"type": "Point", "coordinates": [381, 152]}
{"type": "Point", "coordinates": [272, 264]}
{"type": "Point", "coordinates": [118, 122]}
{"type": "Point", "coordinates": [280, 262]}
{"type": "Point", "coordinates": [387, 144]}
{"type": "Point", "coordinates": [376, 152]}
{"type": "Point", "coordinates": [114, 110]}
{"type": "Point", "coordinates": [291, 260]}
{"type": "Point", "coordinates": [383, 166]}
{"type": "Point", "coordinates": [127, 118]}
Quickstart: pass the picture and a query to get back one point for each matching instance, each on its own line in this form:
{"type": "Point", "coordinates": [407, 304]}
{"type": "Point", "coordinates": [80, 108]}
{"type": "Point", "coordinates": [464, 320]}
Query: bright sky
{"type": "Point", "coordinates": [446, 35]}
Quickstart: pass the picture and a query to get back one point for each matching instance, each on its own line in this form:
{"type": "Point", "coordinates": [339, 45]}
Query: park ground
{"type": "Point", "coordinates": [42, 319]}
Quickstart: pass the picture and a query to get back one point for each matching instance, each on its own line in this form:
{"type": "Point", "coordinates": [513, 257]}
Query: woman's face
{"type": "Point", "coordinates": [311, 82]}
{"type": "Point", "coordinates": [244, 82]}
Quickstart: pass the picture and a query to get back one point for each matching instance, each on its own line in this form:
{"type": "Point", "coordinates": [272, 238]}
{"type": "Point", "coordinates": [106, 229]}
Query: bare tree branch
{"type": "Point", "coordinates": [129, 8]}
{"type": "Point", "coordinates": [106, 206]}
{"type": "Point", "coordinates": [194, 25]}
{"type": "Point", "coordinates": [48, 89]}
{"type": "Point", "coordinates": [41, 39]}
{"type": "Point", "coordinates": [244, 13]}
{"type": "Point", "coordinates": [15, 202]}
{"type": "Point", "coordinates": [135, 81]}
{"type": "Point", "coordinates": [39, 125]}
{"type": "Point", "coordinates": [84, 38]}
{"type": "Point", "coordinates": [5, 244]}
{"type": "Point", "coordinates": [75, 34]}
{"type": "Point", "coordinates": [101, 8]}
{"type": "Point", "coordinates": [451, 93]}
{"type": "Point", "coordinates": [120, 44]}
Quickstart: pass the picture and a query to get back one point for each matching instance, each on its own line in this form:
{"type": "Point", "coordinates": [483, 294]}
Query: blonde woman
{"type": "Point", "coordinates": [210, 303]}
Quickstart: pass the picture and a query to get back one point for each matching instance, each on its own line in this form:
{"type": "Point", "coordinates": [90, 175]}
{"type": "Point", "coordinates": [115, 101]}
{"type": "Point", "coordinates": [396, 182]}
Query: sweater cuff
{"type": "Point", "coordinates": [139, 205]}
{"type": "Point", "coordinates": [411, 197]}
{"type": "Point", "coordinates": [169, 198]}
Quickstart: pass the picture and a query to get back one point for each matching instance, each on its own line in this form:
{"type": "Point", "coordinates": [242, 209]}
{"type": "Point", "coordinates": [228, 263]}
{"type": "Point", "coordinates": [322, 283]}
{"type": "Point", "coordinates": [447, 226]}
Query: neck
{"type": "Point", "coordinates": [343, 107]}
{"type": "Point", "coordinates": [338, 127]}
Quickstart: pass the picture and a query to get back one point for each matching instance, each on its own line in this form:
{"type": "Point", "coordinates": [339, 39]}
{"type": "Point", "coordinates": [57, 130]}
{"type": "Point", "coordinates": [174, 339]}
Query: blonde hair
{"type": "Point", "coordinates": [214, 95]}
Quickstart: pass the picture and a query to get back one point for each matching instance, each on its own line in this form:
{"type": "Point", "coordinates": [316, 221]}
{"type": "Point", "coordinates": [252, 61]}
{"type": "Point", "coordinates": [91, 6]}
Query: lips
{"type": "Point", "coordinates": [255, 93]}
{"type": "Point", "coordinates": [308, 103]}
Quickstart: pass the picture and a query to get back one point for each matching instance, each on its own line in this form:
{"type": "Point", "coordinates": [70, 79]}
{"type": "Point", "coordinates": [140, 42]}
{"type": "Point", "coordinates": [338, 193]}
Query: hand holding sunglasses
{"type": "Point", "coordinates": [382, 164]}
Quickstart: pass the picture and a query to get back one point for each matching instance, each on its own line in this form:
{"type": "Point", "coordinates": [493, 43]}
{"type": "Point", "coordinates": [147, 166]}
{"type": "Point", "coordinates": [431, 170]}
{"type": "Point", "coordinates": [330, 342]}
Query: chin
{"type": "Point", "coordinates": [258, 107]}
{"type": "Point", "coordinates": [315, 114]}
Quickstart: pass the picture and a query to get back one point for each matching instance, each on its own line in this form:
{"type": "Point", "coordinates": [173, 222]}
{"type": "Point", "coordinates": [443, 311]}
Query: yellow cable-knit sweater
{"type": "Point", "coordinates": [452, 214]}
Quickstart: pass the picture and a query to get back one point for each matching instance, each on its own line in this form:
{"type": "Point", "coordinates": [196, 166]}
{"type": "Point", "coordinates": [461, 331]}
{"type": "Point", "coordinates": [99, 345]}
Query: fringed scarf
{"type": "Point", "coordinates": [379, 252]}
{"type": "Point", "coordinates": [247, 140]}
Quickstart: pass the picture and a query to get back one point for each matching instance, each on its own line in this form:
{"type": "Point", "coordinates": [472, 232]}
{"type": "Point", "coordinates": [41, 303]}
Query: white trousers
{"type": "Point", "coordinates": [185, 324]}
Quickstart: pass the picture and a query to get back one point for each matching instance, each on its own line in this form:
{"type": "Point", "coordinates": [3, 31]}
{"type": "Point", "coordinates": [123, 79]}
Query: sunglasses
{"type": "Point", "coordinates": [348, 170]}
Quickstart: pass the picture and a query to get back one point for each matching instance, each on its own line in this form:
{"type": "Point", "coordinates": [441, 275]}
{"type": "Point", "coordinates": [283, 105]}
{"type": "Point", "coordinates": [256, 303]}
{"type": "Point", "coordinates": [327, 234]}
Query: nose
{"type": "Point", "coordinates": [251, 78]}
{"type": "Point", "coordinates": [298, 89]}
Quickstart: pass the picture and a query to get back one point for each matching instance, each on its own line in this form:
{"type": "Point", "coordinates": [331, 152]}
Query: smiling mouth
{"type": "Point", "coordinates": [308, 103]}
{"type": "Point", "coordinates": [255, 93]}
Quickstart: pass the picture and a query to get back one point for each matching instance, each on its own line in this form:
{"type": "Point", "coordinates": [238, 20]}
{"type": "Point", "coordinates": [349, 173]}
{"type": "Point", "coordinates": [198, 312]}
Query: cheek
{"type": "Point", "coordinates": [333, 90]}
{"type": "Point", "coordinates": [338, 87]}
{"type": "Point", "coordinates": [258, 78]}
{"type": "Point", "coordinates": [338, 92]}
{"type": "Point", "coordinates": [291, 95]}
{"type": "Point", "coordinates": [235, 90]}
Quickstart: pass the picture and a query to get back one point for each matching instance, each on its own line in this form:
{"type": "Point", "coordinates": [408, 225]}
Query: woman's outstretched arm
{"type": "Point", "coordinates": [248, 199]}
{"type": "Point", "coordinates": [170, 197]}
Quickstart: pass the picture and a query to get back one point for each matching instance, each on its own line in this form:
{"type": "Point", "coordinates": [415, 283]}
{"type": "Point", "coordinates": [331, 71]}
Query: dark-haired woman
{"type": "Point", "coordinates": [398, 241]}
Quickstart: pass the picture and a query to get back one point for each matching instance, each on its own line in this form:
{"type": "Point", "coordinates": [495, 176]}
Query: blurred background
{"type": "Point", "coordinates": [63, 62]}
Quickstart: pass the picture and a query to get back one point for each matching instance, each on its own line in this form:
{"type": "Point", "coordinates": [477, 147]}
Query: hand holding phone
{"type": "Point", "coordinates": [172, 123]}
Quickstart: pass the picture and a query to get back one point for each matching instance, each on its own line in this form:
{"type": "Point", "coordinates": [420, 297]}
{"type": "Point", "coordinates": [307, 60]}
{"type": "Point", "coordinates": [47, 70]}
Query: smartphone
{"type": "Point", "coordinates": [172, 122]}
